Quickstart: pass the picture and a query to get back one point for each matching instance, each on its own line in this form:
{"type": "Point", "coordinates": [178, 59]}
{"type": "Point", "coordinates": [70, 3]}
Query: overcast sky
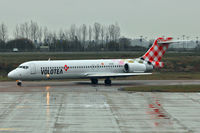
{"type": "Point", "coordinates": [150, 18]}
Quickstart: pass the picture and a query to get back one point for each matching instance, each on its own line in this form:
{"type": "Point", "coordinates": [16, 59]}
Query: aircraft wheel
{"type": "Point", "coordinates": [94, 81]}
{"type": "Point", "coordinates": [107, 82]}
{"type": "Point", "coordinates": [19, 83]}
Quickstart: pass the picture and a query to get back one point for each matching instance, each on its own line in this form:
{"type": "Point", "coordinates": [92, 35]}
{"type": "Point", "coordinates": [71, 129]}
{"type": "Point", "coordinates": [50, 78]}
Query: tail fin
{"type": "Point", "coordinates": [157, 50]}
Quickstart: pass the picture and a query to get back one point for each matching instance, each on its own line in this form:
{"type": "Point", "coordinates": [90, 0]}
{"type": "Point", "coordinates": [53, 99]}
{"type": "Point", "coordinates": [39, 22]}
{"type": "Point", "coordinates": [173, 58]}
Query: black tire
{"type": "Point", "coordinates": [94, 81]}
{"type": "Point", "coordinates": [108, 82]}
{"type": "Point", "coordinates": [19, 83]}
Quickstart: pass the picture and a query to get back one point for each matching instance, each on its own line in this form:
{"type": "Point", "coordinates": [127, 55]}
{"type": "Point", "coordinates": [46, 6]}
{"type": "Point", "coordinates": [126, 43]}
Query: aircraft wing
{"type": "Point", "coordinates": [103, 75]}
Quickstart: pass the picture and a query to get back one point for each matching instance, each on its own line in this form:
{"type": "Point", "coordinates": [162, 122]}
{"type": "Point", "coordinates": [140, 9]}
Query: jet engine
{"type": "Point", "coordinates": [134, 67]}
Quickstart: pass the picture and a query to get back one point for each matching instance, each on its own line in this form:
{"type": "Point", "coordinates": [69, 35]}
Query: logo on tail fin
{"type": "Point", "coordinates": [157, 50]}
{"type": "Point", "coordinates": [158, 64]}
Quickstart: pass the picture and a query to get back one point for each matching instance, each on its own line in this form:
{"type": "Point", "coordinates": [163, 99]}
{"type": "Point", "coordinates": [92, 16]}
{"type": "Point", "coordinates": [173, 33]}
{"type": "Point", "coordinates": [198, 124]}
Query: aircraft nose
{"type": "Point", "coordinates": [11, 75]}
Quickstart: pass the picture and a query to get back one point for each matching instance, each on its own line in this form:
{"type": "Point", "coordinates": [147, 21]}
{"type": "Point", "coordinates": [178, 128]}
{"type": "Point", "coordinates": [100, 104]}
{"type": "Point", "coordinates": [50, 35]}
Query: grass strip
{"type": "Point", "coordinates": [4, 78]}
{"type": "Point", "coordinates": [168, 88]}
{"type": "Point", "coordinates": [168, 76]}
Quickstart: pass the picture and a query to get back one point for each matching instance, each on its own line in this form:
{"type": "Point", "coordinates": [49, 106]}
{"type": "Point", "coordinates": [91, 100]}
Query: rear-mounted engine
{"type": "Point", "coordinates": [134, 67]}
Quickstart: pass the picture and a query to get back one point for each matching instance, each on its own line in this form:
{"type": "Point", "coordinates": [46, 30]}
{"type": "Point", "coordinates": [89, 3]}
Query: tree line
{"type": "Point", "coordinates": [30, 36]}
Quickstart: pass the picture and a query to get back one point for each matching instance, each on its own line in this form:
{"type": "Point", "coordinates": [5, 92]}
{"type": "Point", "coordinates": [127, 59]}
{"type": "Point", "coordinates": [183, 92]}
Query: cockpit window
{"type": "Point", "coordinates": [23, 67]}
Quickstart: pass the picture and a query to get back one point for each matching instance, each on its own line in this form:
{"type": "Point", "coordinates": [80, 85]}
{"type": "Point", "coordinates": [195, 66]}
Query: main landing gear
{"type": "Point", "coordinates": [94, 81]}
{"type": "Point", "coordinates": [107, 81]}
{"type": "Point", "coordinates": [19, 83]}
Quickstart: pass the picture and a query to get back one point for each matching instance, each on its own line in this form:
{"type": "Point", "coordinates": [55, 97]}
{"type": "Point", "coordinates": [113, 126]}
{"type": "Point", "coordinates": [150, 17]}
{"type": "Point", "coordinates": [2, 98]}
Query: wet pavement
{"type": "Point", "coordinates": [77, 106]}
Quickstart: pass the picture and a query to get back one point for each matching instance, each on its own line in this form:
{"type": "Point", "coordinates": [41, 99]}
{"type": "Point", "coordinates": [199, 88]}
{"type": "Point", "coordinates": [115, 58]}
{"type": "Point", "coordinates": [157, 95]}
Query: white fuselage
{"type": "Point", "coordinates": [63, 69]}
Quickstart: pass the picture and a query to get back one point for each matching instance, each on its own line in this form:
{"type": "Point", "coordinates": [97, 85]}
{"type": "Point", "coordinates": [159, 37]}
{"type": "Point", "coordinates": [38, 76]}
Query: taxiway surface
{"type": "Point", "coordinates": [77, 106]}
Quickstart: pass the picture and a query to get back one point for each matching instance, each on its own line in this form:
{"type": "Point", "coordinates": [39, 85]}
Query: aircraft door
{"type": "Point", "coordinates": [33, 68]}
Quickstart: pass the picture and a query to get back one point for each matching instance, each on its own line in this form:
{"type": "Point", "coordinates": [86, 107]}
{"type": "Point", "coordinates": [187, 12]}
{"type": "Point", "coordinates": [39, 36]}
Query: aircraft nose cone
{"type": "Point", "coordinates": [11, 75]}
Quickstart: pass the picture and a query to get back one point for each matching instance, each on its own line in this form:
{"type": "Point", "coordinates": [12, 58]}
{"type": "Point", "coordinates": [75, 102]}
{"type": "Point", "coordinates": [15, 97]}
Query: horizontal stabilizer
{"type": "Point", "coordinates": [172, 41]}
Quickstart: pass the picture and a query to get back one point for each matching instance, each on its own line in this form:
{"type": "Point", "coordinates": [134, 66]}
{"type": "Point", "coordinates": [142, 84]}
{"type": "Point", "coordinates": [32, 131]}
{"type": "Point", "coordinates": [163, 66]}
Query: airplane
{"type": "Point", "coordinates": [93, 69]}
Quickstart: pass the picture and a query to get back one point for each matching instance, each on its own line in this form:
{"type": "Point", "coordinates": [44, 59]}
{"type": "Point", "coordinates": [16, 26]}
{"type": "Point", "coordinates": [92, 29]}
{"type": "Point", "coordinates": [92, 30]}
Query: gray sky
{"type": "Point", "coordinates": [151, 18]}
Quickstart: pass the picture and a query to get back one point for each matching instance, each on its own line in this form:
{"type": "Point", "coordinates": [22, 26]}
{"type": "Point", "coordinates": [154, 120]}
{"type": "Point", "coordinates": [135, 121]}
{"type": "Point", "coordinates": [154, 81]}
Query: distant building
{"type": "Point", "coordinates": [139, 42]}
{"type": "Point", "coordinates": [44, 48]}
{"type": "Point", "coordinates": [15, 50]}
{"type": "Point", "coordinates": [184, 45]}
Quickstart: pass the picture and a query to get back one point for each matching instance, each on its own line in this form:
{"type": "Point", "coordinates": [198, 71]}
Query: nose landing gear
{"type": "Point", "coordinates": [19, 83]}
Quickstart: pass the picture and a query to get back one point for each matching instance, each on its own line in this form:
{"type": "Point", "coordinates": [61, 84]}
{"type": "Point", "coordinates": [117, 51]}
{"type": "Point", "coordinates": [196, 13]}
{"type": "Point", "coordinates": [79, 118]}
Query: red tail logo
{"type": "Point", "coordinates": [155, 53]}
